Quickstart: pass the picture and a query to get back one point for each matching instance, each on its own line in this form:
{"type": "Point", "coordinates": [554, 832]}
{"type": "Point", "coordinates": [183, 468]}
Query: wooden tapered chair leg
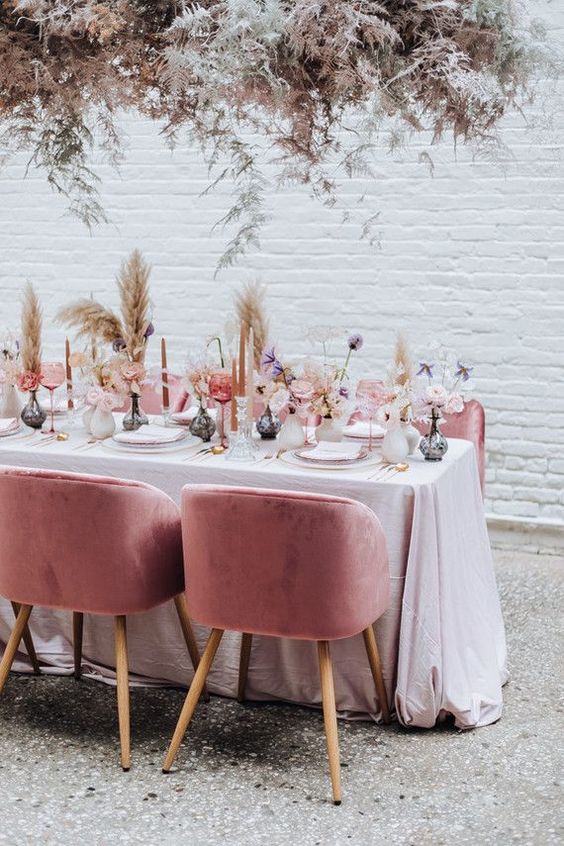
{"type": "Point", "coordinates": [246, 644]}
{"type": "Point", "coordinates": [29, 645]}
{"type": "Point", "coordinates": [376, 667]}
{"type": "Point", "coordinates": [77, 628]}
{"type": "Point", "coordinates": [13, 643]}
{"type": "Point", "coordinates": [122, 677]}
{"type": "Point", "coordinates": [188, 633]}
{"type": "Point", "coordinates": [192, 697]}
{"type": "Point", "coordinates": [330, 717]}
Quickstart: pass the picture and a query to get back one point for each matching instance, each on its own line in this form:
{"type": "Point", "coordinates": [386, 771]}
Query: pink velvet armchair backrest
{"type": "Point", "coordinates": [470, 425]}
{"type": "Point", "coordinates": [152, 397]}
{"type": "Point", "coordinates": [87, 543]}
{"type": "Point", "coordinates": [281, 563]}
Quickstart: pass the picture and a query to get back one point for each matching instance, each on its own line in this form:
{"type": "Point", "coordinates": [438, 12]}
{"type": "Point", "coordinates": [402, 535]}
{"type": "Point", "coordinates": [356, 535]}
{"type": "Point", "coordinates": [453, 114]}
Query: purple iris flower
{"type": "Point", "coordinates": [344, 392]}
{"type": "Point", "coordinates": [150, 330]}
{"type": "Point", "coordinates": [118, 345]}
{"type": "Point", "coordinates": [355, 342]}
{"type": "Point", "coordinates": [268, 358]}
{"type": "Point", "coordinates": [463, 371]}
{"type": "Point", "coordinates": [425, 369]}
{"type": "Point", "coordinates": [276, 368]}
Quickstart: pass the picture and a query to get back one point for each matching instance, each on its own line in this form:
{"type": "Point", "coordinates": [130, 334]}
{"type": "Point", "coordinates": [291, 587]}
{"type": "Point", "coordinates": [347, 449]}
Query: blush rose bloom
{"type": "Point", "coordinates": [94, 395]}
{"type": "Point", "coordinates": [302, 391]}
{"type": "Point", "coordinates": [28, 381]}
{"type": "Point", "coordinates": [133, 372]}
{"type": "Point", "coordinates": [436, 395]}
{"type": "Point", "coordinates": [108, 401]}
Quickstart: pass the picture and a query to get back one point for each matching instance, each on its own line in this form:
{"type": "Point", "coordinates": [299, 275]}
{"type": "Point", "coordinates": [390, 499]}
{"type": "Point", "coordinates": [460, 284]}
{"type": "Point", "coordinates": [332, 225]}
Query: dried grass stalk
{"type": "Point", "coordinates": [250, 309]}
{"type": "Point", "coordinates": [31, 330]}
{"type": "Point", "coordinates": [402, 361]}
{"type": "Point", "coordinates": [91, 319]}
{"type": "Point", "coordinates": [133, 285]}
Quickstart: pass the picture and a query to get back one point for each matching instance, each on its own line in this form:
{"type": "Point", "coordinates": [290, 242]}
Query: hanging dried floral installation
{"type": "Point", "coordinates": [317, 80]}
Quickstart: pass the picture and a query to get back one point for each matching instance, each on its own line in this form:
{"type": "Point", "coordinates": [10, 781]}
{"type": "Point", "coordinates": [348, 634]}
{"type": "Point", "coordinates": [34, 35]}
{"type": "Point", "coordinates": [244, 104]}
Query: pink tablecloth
{"type": "Point", "coordinates": [442, 640]}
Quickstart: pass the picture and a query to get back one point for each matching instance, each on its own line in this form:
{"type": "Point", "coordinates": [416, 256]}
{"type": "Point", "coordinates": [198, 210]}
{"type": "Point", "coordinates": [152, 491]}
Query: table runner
{"type": "Point", "coordinates": [442, 640]}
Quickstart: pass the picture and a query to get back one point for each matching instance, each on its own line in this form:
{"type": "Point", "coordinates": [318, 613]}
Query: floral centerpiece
{"type": "Point", "coordinates": [445, 381]}
{"type": "Point", "coordinates": [29, 376]}
{"type": "Point", "coordinates": [127, 334]}
{"type": "Point", "coordinates": [199, 371]}
{"type": "Point", "coordinates": [102, 388]}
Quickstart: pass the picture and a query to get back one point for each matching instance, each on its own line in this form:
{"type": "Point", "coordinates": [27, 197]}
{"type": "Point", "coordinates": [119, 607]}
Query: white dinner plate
{"type": "Point", "coordinates": [126, 449]}
{"type": "Point", "coordinates": [302, 454]}
{"type": "Point", "coordinates": [11, 432]}
{"type": "Point", "coordinates": [371, 460]}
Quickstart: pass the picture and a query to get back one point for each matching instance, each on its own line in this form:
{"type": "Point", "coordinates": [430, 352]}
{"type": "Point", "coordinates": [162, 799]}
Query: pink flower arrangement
{"type": "Point", "coordinates": [28, 381]}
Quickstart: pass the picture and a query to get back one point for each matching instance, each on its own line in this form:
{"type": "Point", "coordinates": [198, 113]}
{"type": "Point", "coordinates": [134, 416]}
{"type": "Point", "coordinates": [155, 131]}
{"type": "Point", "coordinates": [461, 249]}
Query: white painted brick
{"type": "Point", "coordinates": [474, 256]}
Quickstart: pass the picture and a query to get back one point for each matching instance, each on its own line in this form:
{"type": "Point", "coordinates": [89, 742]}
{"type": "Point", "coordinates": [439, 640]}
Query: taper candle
{"type": "Point", "coordinates": [165, 374]}
{"type": "Point", "coordinates": [250, 375]}
{"type": "Point", "coordinates": [241, 384]}
{"type": "Point", "coordinates": [70, 403]}
{"type": "Point", "coordinates": [234, 393]}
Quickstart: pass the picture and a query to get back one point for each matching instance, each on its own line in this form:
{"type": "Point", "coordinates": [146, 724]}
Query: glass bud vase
{"type": "Point", "coordinates": [202, 426]}
{"type": "Point", "coordinates": [434, 445]}
{"type": "Point", "coordinates": [268, 424]}
{"type": "Point", "coordinates": [33, 415]}
{"type": "Point", "coordinates": [135, 416]}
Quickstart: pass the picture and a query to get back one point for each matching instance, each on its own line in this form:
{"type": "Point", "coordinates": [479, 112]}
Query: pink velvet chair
{"type": "Point", "coordinates": [151, 397]}
{"type": "Point", "coordinates": [284, 564]}
{"type": "Point", "coordinates": [470, 425]}
{"type": "Point", "coordinates": [92, 545]}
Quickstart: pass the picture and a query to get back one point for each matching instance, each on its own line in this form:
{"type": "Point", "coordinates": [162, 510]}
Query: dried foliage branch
{"type": "Point", "coordinates": [318, 80]}
{"type": "Point", "coordinates": [92, 320]}
{"type": "Point", "coordinates": [31, 330]}
{"type": "Point", "coordinates": [250, 309]}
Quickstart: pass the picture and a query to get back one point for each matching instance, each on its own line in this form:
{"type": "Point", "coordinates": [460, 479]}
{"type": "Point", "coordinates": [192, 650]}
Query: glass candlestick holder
{"type": "Point", "coordinates": [242, 447]}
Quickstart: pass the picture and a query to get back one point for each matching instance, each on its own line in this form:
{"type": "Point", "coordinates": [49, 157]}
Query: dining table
{"type": "Point", "coordinates": [442, 640]}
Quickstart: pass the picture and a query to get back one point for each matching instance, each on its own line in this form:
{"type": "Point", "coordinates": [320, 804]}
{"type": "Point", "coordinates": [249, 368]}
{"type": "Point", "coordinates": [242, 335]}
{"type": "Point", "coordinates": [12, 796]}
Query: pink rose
{"type": "Point", "coordinates": [302, 391]}
{"type": "Point", "coordinates": [133, 372]}
{"type": "Point", "coordinates": [108, 401]}
{"type": "Point", "coordinates": [94, 395]}
{"type": "Point", "coordinates": [436, 395]}
{"type": "Point", "coordinates": [455, 404]}
{"type": "Point", "coordinates": [28, 381]}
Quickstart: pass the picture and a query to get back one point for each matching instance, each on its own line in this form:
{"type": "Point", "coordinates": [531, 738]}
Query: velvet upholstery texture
{"type": "Point", "coordinates": [87, 543]}
{"type": "Point", "coordinates": [152, 397]}
{"type": "Point", "coordinates": [469, 425]}
{"type": "Point", "coordinates": [280, 563]}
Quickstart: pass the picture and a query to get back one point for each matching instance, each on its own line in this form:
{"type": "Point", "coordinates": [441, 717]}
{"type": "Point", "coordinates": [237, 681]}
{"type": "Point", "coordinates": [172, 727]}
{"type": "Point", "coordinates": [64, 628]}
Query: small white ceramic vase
{"type": "Point", "coordinates": [412, 435]}
{"type": "Point", "coordinates": [291, 434]}
{"type": "Point", "coordinates": [10, 403]}
{"type": "Point", "coordinates": [329, 430]}
{"type": "Point", "coordinates": [102, 424]}
{"type": "Point", "coordinates": [395, 447]}
{"type": "Point", "coordinates": [87, 418]}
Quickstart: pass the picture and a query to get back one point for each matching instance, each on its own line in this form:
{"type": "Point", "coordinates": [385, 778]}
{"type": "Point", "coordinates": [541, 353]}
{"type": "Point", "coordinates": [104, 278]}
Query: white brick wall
{"type": "Point", "coordinates": [474, 256]}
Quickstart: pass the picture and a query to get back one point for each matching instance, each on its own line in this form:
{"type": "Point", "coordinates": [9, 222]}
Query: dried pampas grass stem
{"type": "Point", "coordinates": [402, 361]}
{"type": "Point", "coordinates": [251, 309]}
{"type": "Point", "coordinates": [31, 330]}
{"type": "Point", "coordinates": [92, 320]}
{"type": "Point", "coordinates": [133, 285]}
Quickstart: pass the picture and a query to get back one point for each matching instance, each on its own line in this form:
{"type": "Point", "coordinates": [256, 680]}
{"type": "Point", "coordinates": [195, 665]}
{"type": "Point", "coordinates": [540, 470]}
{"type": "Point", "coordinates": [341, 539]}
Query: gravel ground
{"type": "Point", "coordinates": [257, 773]}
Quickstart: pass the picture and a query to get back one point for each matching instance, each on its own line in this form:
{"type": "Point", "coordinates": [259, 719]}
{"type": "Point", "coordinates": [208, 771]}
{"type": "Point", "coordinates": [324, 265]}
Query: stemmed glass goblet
{"type": "Point", "coordinates": [221, 390]}
{"type": "Point", "coordinates": [53, 375]}
{"type": "Point", "coordinates": [370, 395]}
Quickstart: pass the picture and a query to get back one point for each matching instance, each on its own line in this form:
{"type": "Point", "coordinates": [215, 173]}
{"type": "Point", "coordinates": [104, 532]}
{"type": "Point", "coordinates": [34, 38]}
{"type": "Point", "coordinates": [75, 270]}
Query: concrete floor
{"type": "Point", "coordinates": [257, 774]}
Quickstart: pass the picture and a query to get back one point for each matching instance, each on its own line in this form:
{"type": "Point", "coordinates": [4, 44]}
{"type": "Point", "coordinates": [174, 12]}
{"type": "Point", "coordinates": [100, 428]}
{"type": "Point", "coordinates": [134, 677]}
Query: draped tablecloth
{"type": "Point", "coordinates": [442, 640]}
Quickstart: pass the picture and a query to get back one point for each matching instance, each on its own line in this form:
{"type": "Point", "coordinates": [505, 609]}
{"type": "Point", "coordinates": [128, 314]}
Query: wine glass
{"type": "Point", "coordinates": [370, 395]}
{"type": "Point", "coordinates": [221, 390]}
{"type": "Point", "coordinates": [53, 375]}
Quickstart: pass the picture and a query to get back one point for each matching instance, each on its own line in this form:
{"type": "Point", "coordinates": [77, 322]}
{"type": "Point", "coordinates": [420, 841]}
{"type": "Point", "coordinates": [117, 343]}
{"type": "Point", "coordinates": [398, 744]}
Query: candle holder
{"type": "Point", "coordinates": [243, 447]}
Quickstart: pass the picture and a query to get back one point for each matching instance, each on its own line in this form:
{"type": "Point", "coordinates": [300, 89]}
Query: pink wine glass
{"type": "Point", "coordinates": [221, 390]}
{"type": "Point", "coordinates": [53, 375]}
